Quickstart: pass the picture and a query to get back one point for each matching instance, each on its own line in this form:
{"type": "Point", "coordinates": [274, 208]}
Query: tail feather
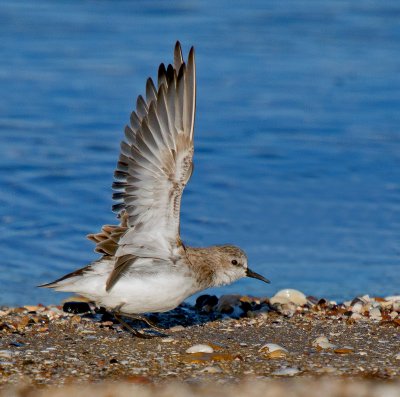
{"type": "Point", "coordinates": [76, 273]}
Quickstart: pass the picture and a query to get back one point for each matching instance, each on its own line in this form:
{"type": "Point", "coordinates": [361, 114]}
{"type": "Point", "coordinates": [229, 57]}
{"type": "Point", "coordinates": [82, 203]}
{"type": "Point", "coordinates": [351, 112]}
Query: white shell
{"type": "Point", "coordinates": [286, 371]}
{"type": "Point", "coordinates": [200, 349]}
{"type": "Point", "coordinates": [272, 347]}
{"type": "Point", "coordinates": [356, 316]}
{"type": "Point", "coordinates": [323, 343]}
{"type": "Point", "coordinates": [393, 298]}
{"type": "Point", "coordinates": [357, 307]}
{"type": "Point", "coordinates": [375, 314]}
{"type": "Point", "coordinates": [289, 295]}
{"type": "Point", "coordinates": [212, 370]}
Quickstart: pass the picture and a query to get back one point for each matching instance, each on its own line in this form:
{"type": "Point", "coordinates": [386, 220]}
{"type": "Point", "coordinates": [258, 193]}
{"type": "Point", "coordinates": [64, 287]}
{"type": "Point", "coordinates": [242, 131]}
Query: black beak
{"type": "Point", "coordinates": [250, 273]}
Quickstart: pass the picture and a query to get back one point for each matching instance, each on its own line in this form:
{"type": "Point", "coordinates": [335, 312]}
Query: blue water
{"type": "Point", "coordinates": [297, 135]}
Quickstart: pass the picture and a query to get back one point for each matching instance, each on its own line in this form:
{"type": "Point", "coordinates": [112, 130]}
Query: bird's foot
{"type": "Point", "coordinates": [132, 330]}
{"type": "Point", "coordinates": [117, 315]}
{"type": "Point", "coordinates": [144, 319]}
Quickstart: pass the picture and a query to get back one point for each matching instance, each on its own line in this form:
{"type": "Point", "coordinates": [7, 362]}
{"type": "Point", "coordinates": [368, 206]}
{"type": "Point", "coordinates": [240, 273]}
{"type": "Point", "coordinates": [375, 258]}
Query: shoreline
{"type": "Point", "coordinates": [246, 338]}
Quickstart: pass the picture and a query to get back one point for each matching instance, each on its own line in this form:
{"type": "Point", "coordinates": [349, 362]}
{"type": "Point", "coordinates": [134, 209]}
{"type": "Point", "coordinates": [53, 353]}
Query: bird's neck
{"type": "Point", "coordinates": [204, 263]}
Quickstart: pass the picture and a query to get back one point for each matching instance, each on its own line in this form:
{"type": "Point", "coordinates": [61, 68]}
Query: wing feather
{"type": "Point", "coordinates": [151, 92]}
{"type": "Point", "coordinates": [178, 57]}
{"type": "Point", "coordinates": [135, 121]}
{"type": "Point", "coordinates": [154, 165]}
{"type": "Point", "coordinates": [141, 107]}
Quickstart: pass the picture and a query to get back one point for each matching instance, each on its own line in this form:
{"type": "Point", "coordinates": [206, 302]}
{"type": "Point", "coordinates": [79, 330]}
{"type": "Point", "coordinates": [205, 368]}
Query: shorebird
{"type": "Point", "coordinates": [145, 266]}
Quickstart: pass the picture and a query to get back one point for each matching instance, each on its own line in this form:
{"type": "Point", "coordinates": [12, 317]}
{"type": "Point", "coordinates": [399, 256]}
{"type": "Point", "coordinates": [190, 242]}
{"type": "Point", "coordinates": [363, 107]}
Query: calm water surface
{"type": "Point", "coordinates": [297, 135]}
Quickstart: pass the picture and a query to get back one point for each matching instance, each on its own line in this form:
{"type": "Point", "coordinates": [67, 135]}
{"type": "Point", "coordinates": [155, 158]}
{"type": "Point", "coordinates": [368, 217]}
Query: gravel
{"type": "Point", "coordinates": [47, 346]}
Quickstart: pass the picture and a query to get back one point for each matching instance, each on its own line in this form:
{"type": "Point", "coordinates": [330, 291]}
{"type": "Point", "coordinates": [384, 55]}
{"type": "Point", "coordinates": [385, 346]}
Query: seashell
{"type": "Point", "coordinates": [322, 343]}
{"type": "Point", "coordinates": [365, 298]}
{"type": "Point", "coordinates": [272, 350]}
{"type": "Point", "coordinates": [393, 298]}
{"type": "Point", "coordinates": [288, 371]}
{"type": "Point", "coordinates": [396, 306]}
{"type": "Point", "coordinates": [376, 304]}
{"type": "Point", "coordinates": [289, 295]}
{"type": "Point", "coordinates": [397, 356]}
{"type": "Point", "coordinates": [357, 307]}
{"type": "Point", "coordinates": [375, 314]}
{"type": "Point", "coordinates": [366, 308]}
{"type": "Point", "coordinates": [31, 308]}
{"type": "Point", "coordinates": [344, 350]}
{"type": "Point", "coordinates": [386, 304]}
{"type": "Point", "coordinates": [200, 349]}
{"type": "Point", "coordinates": [356, 316]}
{"type": "Point", "coordinates": [287, 309]}
{"type": "Point", "coordinates": [281, 300]}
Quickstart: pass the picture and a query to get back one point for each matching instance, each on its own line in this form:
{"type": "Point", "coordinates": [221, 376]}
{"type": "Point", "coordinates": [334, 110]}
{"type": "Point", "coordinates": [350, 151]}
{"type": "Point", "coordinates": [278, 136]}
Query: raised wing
{"type": "Point", "coordinates": [155, 164]}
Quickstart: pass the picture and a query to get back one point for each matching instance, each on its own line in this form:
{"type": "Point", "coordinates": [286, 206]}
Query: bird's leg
{"type": "Point", "coordinates": [150, 323]}
{"type": "Point", "coordinates": [133, 331]}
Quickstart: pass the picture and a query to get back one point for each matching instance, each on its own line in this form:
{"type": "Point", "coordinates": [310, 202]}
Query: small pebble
{"type": "Point", "coordinates": [177, 328]}
{"type": "Point", "coordinates": [5, 353]}
{"type": "Point", "coordinates": [33, 308]}
{"type": "Point", "coordinates": [167, 340]}
{"type": "Point", "coordinates": [227, 303]}
{"type": "Point", "coordinates": [212, 370]}
{"type": "Point", "coordinates": [206, 302]}
{"type": "Point", "coordinates": [6, 363]}
{"type": "Point", "coordinates": [76, 307]}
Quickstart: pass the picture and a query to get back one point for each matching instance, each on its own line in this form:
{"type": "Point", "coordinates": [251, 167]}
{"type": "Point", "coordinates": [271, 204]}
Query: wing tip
{"type": "Point", "coordinates": [178, 47]}
{"type": "Point", "coordinates": [47, 285]}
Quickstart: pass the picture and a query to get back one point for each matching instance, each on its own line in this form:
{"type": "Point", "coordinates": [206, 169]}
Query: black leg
{"type": "Point", "coordinates": [133, 331]}
{"type": "Point", "coordinates": [138, 317]}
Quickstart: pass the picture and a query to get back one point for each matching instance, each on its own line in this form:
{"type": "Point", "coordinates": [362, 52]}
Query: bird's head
{"type": "Point", "coordinates": [231, 265]}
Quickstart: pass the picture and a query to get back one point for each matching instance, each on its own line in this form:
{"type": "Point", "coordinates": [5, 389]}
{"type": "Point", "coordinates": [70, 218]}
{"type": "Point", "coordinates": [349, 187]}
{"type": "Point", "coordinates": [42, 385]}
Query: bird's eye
{"type": "Point", "coordinates": [234, 262]}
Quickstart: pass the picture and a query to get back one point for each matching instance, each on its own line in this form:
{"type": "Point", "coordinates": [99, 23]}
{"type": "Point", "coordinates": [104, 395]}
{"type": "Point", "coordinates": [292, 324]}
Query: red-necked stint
{"type": "Point", "coordinates": [145, 267]}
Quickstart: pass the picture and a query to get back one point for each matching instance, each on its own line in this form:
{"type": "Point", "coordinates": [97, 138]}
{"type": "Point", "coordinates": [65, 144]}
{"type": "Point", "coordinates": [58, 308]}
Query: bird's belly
{"type": "Point", "coordinates": [148, 294]}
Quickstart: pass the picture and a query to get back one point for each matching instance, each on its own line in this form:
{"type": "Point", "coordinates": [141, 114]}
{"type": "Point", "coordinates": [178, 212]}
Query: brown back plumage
{"type": "Point", "coordinates": [107, 239]}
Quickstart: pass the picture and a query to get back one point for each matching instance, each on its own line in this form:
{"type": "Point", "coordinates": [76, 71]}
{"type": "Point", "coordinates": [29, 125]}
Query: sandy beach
{"type": "Point", "coordinates": [233, 340]}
